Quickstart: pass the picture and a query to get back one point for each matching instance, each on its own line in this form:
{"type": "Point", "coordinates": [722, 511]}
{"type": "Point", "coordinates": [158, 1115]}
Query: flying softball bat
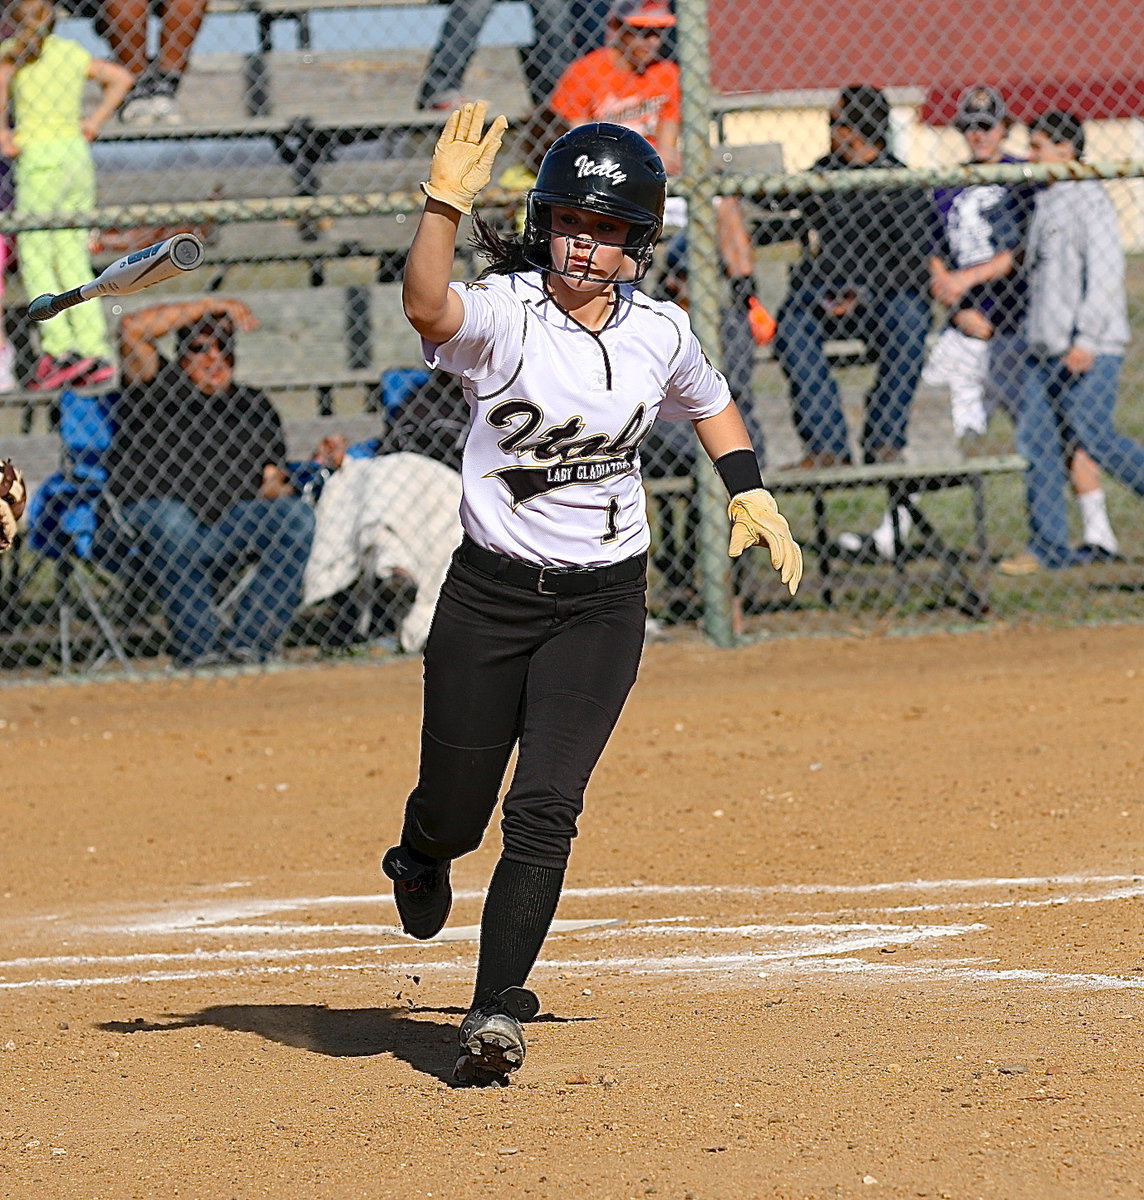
{"type": "Point", "coordinates": [142, 269]}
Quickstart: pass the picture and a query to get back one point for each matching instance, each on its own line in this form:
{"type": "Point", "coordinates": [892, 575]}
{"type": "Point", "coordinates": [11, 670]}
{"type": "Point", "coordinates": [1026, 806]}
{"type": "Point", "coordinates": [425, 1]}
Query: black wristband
{"type": "Point", "coordinates": [743, 289]}
{"type": "Point", "coordinates": [739, 470]}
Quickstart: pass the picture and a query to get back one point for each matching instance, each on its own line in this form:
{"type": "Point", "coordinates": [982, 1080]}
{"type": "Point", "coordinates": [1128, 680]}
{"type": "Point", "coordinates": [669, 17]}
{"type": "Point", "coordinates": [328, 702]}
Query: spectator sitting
{"type": "Point", "coordinates": [1076, 329]}
{"type": "Point", "coordinates": [124, 24]}
{"type": "Point", "coordinates": [980, 355]}
{"type": "Point", "coordinates": [433, 421]}
{"type": "Point", "coordinates": [43, 77]}
{"type": "Point", "coordinates": [627, 82]}
{"type": "Point", "coordinates": [543, 61]}
{"type": "Point", "coordinates": [391, 515]}
{"type": "Point", "coordinates": [198, 468]}
{"type": "Point", "coordinates": [864, 273]}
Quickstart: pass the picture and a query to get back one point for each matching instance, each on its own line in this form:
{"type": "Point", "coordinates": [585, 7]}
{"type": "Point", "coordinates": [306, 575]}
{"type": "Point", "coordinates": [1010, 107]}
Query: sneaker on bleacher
{"type": "Point", "coordinates": [52, 373]}
{"type": "Point", "coordinates": [151, 101]}
{"type": "Point", "coordinates": [100, 371]}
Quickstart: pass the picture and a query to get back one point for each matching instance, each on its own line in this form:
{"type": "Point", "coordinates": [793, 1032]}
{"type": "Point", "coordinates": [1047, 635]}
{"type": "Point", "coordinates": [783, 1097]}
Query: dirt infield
{"type": "Point", "coordinates": [848, 918]}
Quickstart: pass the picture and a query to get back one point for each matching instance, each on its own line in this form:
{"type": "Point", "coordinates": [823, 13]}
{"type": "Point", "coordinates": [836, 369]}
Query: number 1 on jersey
{"type": "Point", "coordinates": [611, 529]}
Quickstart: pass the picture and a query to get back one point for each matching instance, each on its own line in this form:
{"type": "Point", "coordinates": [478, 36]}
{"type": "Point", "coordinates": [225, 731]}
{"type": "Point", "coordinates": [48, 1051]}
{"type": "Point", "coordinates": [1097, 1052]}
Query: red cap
{"type": "Point", "coordinates": [654, 14]}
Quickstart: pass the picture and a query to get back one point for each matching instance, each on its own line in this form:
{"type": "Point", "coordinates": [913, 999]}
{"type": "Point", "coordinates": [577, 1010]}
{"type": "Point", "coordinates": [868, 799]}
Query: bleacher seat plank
{"type": "Point", "coordinates": [903, 482]}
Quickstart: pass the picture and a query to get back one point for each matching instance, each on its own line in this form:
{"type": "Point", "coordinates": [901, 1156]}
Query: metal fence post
{"type": "Point", "coordinates": [704, 284]}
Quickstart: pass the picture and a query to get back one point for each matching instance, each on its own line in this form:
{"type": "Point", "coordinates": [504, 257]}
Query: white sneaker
{"type": "Point", "coordinates": [884, 534]}
{"type": "Point", "coordinates": [149, 110]}
{"type": "Point", "coordinates": [7, 365]}
{"type": "Point", "coordinates": [150, 104]}
{"type": "Point", "coordinates": [164, 110]}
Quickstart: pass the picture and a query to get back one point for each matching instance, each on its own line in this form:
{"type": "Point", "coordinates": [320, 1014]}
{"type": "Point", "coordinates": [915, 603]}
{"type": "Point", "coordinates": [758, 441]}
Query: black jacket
{"type": "Point", "coordinates": [873, 241]}
{"type": "Point", "coordinates": [174, 442]}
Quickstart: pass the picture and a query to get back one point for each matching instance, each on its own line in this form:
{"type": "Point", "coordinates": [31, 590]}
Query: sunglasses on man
{"type": "Point", "coordinates": [203, 347]}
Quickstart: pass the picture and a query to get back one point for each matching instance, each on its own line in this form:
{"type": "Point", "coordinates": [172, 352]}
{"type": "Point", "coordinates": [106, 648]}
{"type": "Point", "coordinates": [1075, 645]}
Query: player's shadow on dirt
{"type": "Point", "coordinates": [429, 1046]}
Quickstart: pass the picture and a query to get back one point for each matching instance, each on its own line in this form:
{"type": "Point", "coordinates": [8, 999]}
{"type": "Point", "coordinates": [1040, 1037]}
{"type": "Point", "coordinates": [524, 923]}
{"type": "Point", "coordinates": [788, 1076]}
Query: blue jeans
{"type": "Point", "coordinates": [895, 326]}
{"type": "Point", "coordinates": [190, 561]}
{"type": "Point", "coordinates": [1059, 412]}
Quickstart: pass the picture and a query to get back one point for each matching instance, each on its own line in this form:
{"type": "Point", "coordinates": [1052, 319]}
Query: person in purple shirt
{"type": "Point", "coordinates": [977, 273]}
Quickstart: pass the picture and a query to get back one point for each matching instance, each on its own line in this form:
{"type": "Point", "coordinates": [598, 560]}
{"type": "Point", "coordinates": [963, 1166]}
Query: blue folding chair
{"type": "Point", "coordinates": [64, 517]}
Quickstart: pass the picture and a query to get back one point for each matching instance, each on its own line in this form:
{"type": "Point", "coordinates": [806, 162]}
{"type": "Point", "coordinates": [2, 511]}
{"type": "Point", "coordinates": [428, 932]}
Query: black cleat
{"type": "Point", "coordinates": [423, 894]}
{"type": "Point", "coordinates": [492, 1040]}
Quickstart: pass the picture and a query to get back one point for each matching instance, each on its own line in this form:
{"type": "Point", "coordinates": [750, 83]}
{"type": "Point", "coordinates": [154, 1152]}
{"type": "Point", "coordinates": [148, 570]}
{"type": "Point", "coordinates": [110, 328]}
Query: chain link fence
{"type": "Point", "coordinates": [912, 245]}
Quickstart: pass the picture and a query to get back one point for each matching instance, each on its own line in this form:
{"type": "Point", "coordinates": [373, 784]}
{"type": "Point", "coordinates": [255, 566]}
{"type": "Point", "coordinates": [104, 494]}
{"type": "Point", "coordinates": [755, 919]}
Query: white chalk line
{"type": "Point", "coordinates": [734, 967]}
{"type": "Point", "coordinates": [854, 937]}
{"type": "Point", "coordinates": [811, 942]}
{"type": "Point", "coordinates": [453, 933]}
{"type": "Point", "coordinates": [1126, 893]}
{"type": "Point", "coordinates": [207, 915]}
{"type": "Point", "coordinates": [901, 885]}
{"type": "Point", "coordinates": [92, 981]}
{"type": "Point", "coordinates": [808, 945]}
{"type": "Point", "coordinates": [741, 965]}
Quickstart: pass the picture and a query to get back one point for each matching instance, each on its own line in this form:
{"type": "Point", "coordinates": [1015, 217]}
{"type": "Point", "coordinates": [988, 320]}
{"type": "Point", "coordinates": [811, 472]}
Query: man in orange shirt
{"type": "Point", "coordinates": [626, 81]}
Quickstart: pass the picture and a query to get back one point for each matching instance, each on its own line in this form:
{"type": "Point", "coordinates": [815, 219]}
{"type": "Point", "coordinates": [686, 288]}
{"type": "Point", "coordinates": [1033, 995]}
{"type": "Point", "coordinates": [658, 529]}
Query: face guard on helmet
{"type": "Point", "coordinates": [603, 169]}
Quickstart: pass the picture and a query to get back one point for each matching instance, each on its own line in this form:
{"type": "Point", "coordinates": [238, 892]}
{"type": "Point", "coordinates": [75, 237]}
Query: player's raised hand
{"type": "Point", "coordinates": [756, 521]}
{"type": "Point", "coordinates": [463, 158]}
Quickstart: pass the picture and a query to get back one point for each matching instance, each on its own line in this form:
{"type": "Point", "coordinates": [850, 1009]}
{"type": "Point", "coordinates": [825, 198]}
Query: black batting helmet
{"type": "Point", "coordinates": [600, 168]}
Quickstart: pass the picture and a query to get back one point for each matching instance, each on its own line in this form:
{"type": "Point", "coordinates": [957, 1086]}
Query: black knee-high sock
{"type": "Point", "coordinates": [518, 911]}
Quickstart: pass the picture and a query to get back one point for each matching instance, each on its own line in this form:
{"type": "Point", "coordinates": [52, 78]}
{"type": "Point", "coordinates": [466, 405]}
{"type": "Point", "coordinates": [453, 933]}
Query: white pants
{"type": "Point", "coordinates": [982, 376]}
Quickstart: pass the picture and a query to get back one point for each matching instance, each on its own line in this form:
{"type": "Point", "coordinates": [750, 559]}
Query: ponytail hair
{"type": "Point", "coordinates": [505, 255]}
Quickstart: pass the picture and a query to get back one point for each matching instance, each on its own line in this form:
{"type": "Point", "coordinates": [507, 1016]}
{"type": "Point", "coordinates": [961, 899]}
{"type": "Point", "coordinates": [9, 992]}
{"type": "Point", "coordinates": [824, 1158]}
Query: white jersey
{"type": "Point", "coordinates": [551, 470]}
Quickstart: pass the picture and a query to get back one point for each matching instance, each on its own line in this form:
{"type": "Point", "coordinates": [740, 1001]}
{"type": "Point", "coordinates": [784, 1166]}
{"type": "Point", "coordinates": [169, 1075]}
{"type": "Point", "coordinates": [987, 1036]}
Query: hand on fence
{"type": "Point", "coordinates": [463, 159]}
{"type": "Point", "coordinates": [756, 521]}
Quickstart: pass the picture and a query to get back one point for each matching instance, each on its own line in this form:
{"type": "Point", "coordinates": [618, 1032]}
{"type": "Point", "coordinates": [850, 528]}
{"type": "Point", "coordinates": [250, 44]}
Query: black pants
{"type": "Point", "coordinates": [505, 666]}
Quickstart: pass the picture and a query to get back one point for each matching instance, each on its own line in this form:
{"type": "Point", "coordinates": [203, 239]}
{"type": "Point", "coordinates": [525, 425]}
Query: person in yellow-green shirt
{"type": "Point", "coordinates": [42, 79]}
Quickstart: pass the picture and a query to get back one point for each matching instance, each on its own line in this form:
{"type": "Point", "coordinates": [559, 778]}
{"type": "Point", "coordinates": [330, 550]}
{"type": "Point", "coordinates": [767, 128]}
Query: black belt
{"type": "Point", "coordinates": [550, 581]}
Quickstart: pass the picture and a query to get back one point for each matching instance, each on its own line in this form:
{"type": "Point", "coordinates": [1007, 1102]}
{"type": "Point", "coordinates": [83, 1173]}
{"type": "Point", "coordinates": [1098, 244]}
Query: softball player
{"type": "Point", "coordinates": [539, 627]}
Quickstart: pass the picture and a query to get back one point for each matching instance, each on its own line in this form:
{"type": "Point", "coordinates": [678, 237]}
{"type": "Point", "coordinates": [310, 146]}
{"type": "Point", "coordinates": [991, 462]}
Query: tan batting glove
{"type": "Point", "coordinates": [463, 160]}
{"type": "Point", "coordinates": [13, 494]}
{"type": "Point", "coordinates": [756, 521]}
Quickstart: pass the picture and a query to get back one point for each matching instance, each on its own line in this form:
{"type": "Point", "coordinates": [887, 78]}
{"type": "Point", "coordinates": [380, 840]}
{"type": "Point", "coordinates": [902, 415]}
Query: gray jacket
{"type": "Point", "coordinates": [1075, 270]}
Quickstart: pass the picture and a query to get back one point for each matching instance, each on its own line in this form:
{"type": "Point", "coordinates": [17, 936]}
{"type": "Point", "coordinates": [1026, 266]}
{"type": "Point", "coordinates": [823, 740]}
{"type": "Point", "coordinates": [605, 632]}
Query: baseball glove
{"type": "Point", "coordinates": [13, 496]}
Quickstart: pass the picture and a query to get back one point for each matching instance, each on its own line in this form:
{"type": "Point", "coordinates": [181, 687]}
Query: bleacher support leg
{"type": "Point", "coordinates": [822, 545]}
{"type": "Point", "coordinates": [975, 604]}
{"type": "Point", "coordinates": [256, 85]}
{"type": "Point", "coordinates": [359, 340]}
